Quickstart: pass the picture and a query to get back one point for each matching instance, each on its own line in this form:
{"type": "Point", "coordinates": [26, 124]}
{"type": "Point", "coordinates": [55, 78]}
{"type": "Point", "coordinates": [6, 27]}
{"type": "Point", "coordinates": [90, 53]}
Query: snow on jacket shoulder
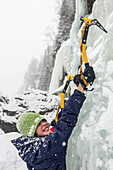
{"type": "Point", "coordinates": [48, 153]}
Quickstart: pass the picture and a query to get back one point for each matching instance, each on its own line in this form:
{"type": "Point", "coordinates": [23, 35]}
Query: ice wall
{"type": "Point", "coordinates": [91, 144]}
{"type": "Point", "coordinates": [62, 65]}
{"type": "Point", "coordinates": [67, 58]}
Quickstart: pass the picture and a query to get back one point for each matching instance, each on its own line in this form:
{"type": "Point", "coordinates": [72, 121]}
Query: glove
{"type": "Point", "coordinates": [78, 79]}
{"type": "Point", "coordinates": [89, 76]}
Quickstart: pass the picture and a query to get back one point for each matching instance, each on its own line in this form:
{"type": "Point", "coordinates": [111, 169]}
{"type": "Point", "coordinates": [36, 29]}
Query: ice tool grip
{"type": "Point", "coordinates": [84, 34]}
{"type": "Point", "coordinates": [56, 118]}
{"type": "Point", "coordinates": [84, 39]}
{"type": "Point", "coordinates": [62, 100]}
{"type": "Point", "coordinates": [70, 78]}
{"type": "Point", "coordinates": [84, 53]}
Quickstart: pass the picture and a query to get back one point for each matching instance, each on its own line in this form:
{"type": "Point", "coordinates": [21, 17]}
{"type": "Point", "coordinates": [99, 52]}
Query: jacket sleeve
{"type": "Point", "coordinates": [69, 116]}
{"type": "Point", "coordinates": [68, 120]}
{"type": "Point", "coordinates": [57, 141]}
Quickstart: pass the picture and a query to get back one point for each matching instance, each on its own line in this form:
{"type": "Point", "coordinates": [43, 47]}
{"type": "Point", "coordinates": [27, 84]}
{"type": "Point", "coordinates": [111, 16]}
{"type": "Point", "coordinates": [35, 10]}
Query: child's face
{"type": "Point", "coordinates": [43, 129]}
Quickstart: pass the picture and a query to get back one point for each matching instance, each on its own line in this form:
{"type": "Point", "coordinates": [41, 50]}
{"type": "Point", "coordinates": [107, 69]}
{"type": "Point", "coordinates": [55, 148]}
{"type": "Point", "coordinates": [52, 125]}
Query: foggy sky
{"type": "Point", "coordinates": [23, 25]}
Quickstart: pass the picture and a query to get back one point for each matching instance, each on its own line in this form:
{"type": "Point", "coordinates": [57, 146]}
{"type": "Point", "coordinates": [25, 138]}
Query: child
{"type": "Point", "coordinates": [39, 147]}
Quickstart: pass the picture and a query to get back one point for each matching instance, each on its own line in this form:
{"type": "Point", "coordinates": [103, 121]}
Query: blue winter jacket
{"type": "Point", "coordinates": [49, 152]}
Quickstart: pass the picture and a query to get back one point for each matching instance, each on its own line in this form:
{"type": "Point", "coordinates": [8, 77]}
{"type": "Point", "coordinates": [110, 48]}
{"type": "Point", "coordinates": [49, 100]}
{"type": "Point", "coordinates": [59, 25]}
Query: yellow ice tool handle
{"type": "Point", "coordinates": [62, 100]}
{"type": "Point", "coordinates": [70, 78]}
{"type": "Point", "coordinates": [56, 118]}
{"type": "Point", "coordinates": [84, 53]}
{"type": "Point", "coordinates": [88, 22]}
{"type": "Point", "coordinates": [84, 80]}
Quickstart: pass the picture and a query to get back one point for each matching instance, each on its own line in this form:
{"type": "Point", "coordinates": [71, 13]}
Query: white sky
{"type": "Point", "coordinates": [23, 25]}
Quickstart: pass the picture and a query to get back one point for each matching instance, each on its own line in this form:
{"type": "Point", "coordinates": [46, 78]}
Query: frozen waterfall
{"type": "Point", "coordinates": [91, 144]}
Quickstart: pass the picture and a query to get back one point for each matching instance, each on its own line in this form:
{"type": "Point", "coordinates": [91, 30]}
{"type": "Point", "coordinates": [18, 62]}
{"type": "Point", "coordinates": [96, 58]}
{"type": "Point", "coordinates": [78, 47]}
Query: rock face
{"type": "Point", "coordinates": [32, 101]}
{"type": "Point", "coordinates": [8, 127]}
{"type": "Point", "coordinates": [90, 5]}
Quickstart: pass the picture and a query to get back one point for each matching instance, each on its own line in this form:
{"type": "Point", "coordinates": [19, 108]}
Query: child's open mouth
{"type": "Point", "coordinates": [46, 128]}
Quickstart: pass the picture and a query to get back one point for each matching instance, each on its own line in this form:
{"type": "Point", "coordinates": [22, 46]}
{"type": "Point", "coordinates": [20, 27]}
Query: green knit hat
{"type": "Point", "coordinates": [28, 122]}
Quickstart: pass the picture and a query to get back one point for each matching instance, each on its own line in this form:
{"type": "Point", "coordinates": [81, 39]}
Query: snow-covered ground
{"type": "Point", "coordinates": [9, 158]}
{"type": "Point", "coordinates": [35, 101]}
